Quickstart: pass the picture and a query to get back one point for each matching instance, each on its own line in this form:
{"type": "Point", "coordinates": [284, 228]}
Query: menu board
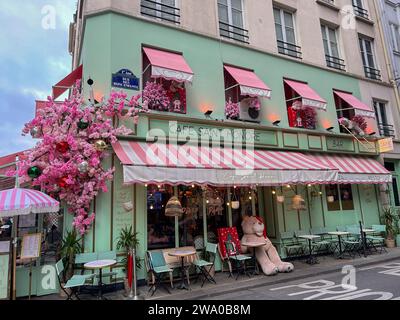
{"type": "Point", "coordinates": [4, 269]}
{"type": "Point", "coordinates": [4, 247]}
{"type": "Point", "coordinates": [31, 245]}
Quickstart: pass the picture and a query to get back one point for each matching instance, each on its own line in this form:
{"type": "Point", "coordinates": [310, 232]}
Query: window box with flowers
{"type": "Point", "coordinates": [165, 82]}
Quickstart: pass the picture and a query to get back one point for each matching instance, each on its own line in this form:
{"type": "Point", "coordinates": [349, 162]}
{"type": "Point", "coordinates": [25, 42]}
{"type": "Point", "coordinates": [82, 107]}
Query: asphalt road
{"type": "Point", "coordinates": [375, 282]}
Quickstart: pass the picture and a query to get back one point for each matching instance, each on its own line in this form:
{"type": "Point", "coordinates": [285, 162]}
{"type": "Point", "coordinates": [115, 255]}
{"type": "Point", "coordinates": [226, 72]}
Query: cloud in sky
{"type": "Point", "coordinates": [32, 59]}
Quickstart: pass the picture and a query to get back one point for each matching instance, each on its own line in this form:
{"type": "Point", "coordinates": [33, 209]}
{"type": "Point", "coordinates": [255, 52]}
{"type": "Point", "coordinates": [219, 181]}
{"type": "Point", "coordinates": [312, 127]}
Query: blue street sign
{"type": "Point", "coordinates": [125, 79]}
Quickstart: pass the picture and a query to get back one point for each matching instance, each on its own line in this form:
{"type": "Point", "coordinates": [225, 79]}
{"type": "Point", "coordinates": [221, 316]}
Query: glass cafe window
{"type": "Point", "coordinates": [160, 228]}
{"type": "Point", "coordinates": [191, 223]}
{"type": "Point", "coordinates": [245, 198]}
{"type": "Point", "coordinates": [217, 212]}
{"type": "Point", "coordinates": [339, 197]}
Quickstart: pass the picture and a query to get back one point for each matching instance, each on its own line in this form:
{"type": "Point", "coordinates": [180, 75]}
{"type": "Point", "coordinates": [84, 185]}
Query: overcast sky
{"type": "Point", "coordinates": [32, 59]}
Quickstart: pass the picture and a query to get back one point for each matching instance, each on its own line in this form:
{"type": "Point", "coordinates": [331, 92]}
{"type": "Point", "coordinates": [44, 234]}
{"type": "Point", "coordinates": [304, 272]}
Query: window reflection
{"type": "Point", "coordinates": [160, 228]}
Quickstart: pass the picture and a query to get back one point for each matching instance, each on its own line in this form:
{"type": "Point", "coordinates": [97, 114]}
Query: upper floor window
{"type": "Point", "coordinates": [395, 35]}
{"type": "Point", "coordinates": [368, 58]}
{"type": "Point", "coordinates": [285, 33]}
{"type": "Point", "coordinates": [360, 9]}
{"type": "Point", "coordinates": [165, 10]}
{"type": "Point", "coordinates": [231, 25]}
{"type": "Point", "coordinates": [385, 129]}
{"type": "Point", "coordinates": [165, 75]}
{"type": "Point", "coordinates": [331, 48]}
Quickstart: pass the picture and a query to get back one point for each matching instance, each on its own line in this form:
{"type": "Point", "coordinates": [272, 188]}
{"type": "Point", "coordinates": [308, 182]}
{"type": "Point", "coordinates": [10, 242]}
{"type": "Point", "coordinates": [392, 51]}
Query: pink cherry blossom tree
{"type": "Point", "coordinates": [67, 162]}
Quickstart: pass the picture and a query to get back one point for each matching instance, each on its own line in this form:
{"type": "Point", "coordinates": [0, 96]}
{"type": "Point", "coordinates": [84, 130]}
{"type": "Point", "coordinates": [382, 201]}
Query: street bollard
{"type": "Point", "coordinates": [133, 293]}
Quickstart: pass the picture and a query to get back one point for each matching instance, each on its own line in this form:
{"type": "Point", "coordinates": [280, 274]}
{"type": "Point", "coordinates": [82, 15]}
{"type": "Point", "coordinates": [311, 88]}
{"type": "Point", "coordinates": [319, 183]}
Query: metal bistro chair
{"type": "Point", "coordinates": [203, 265]}
{"type": "Point", "coordinates": [376, 240]}
{"type": "Point", "coordinates": [73, 284]}
{"type": "Point", "coordinates": [238, 259]}
{"type": "Point", "coordinates": [322, 245]}
{"type": "Point", "coordinates": [292, 247]}
{"type": "Point", "coordinates": [353, 243]}
{"type": "Point", "coordinates": [158, 267]}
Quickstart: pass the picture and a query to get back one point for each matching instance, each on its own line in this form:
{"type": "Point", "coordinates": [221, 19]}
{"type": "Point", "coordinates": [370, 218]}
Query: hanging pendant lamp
{"type": "Point", "coordinates": [173, 208]}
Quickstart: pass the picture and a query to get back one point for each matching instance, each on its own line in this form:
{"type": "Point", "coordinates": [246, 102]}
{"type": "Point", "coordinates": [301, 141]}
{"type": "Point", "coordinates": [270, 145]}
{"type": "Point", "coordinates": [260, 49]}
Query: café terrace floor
{"type": "Point", "coordinates": [327, 264]}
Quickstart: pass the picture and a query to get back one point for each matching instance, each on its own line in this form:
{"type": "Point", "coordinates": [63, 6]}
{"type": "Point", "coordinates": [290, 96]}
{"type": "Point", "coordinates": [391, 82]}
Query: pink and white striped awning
{"type": "Point", "coordinates": [307, 94]}
{"type": "Point", "coordinates": [168, 65]}
{"type": "Point", "coordinates": [250, 84]}
{"type": "Point", "coordinates": [176, 164]}
{"type": "Point", "coordinates": [360, 108]}
{"type": "Point", "coordinates": [356, 170]}
{"type": "Point", "coordinates": [18, 201]}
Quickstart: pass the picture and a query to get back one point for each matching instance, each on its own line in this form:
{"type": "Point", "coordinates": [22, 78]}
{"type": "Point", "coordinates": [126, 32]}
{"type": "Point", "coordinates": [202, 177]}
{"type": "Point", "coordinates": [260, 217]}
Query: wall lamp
{"type": "Point", "coordinates": [372, 134]}
{"type": "Point", "coordinates": [276, 123]}
{"type": "Point", "coordinates": [330, 129]}
{"type": "Point", "coordinates": [208, 113]}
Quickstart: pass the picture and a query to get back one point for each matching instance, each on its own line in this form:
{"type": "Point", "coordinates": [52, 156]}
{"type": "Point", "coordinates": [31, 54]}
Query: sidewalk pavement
{"type": "Point", "coordinates": [327, 264]}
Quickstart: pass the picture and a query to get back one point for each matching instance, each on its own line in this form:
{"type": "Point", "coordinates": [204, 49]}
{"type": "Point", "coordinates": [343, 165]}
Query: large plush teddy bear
{"type": "Point", "coordinates": [267, 256]}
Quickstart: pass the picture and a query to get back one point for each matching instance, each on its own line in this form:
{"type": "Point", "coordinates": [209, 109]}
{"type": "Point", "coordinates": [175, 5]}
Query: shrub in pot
{"type": "Point", "coordinates": [70, 247]}
{"type": "Point", "coordinates": [391, 219]}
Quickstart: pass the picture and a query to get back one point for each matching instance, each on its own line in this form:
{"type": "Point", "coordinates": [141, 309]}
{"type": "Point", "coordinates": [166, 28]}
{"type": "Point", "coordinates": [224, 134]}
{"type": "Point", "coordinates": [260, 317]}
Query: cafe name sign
{"type": "Point", "coordinates": [386, 145]}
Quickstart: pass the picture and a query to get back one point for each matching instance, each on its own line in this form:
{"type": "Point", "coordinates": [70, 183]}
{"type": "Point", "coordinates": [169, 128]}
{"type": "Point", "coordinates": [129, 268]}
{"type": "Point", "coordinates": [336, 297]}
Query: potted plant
{"type": "Point", "coordinates": [391, 219]}
{"type": "Point", "coordinates": [127, 241]}
{"type": "Point", "coordinates": [70, 246]}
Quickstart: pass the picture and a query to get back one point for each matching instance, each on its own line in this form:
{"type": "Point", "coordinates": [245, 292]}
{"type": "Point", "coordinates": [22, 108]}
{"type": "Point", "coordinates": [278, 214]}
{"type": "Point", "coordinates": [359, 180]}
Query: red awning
{"type": "Point", "coordinates": [173, 164]}
{"type": "Point", "coordinates": [359, 107]}
{"type": "Point", "coordinates": [7, 163]}
{"type": "Point", "coordinates": [67, 82]}
{"type": "Point", "coordinates": [250, 84]}
{"type": "Point", "coordinates": [356, 170]}
{"type": "Point", "coordinates": [309, 96]}
{"type": "Point", "coordinates": [168, 65]}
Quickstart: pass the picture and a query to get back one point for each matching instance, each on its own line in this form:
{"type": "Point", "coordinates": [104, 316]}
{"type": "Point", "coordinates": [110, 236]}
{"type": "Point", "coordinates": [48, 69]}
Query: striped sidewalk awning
{"type": "Point", "coordinates": [356, 170]}
{"type": "Point", "coordinates": [183, 164]}
{"type": "Point", "coordinates": [18, 201]}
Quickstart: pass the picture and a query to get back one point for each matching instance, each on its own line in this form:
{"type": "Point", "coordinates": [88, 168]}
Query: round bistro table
{"type": "Point", "coordinates": [254, 245]}
{"type": "Point", "coordinates": [100, 265]}
{"type": "Point", "coordinates": [182, 254]}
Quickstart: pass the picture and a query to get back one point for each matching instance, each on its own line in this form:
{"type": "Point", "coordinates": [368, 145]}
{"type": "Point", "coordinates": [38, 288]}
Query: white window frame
{"type": "Point", "coordinates": [328, 38]}
{"type": "Point", "coordinates": [393, 29]}
{"type": "Point", "coordinates": [230, 17]}
{"type": "Point", "coordinates": [364, 54]}
{"type": "Point", "coordinates": [283, 28]}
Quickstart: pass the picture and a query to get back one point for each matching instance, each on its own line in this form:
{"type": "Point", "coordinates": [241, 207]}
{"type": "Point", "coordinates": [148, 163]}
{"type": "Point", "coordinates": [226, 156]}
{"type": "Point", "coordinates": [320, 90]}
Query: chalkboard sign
{"type": "Point", "coordinates": [4, 269]}
{"type": "Point", "coordinates": [31, 245]}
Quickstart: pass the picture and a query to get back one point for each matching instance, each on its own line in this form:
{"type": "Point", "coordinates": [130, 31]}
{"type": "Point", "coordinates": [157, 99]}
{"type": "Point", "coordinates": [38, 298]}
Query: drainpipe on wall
{"type": "Point", "coordinates": [383, 195]}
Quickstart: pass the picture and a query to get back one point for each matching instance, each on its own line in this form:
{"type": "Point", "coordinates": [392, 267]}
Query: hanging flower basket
{"type": "Point", "coordinates": [155, 96]}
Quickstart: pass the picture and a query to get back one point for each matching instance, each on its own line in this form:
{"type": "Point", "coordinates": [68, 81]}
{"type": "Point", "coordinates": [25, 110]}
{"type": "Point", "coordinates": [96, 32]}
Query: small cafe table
{"type": "Point", "coordinates": [339, 234]}
{"type": "Point", "coordinates": [254, 245]}
{"type": "Point", "coordinates": [100, 265]}
{"type": "Point", "coordinates": [182, 254]}
{"type": "Point", "coordinates": [311, 259]}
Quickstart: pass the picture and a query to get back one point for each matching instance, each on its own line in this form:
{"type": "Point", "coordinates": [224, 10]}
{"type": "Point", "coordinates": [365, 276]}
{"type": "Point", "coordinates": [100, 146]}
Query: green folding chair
{"type": "Point", "coordinates": [73, 284]}
{"type": "Point", "coordinates": [292, 247]}
{"type": "Point", "coordinates": [159, 268]}
{"type": "Point", "coordinates": [238, 259]}
{"type": "Point", "coordinates": [204, 267]}
{"type": "Point", "coordinates": [376, 240]}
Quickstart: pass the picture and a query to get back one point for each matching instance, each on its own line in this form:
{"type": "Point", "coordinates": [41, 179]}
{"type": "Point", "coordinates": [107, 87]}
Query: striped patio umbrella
{"type": "Point", "coordinates": [18, 201]}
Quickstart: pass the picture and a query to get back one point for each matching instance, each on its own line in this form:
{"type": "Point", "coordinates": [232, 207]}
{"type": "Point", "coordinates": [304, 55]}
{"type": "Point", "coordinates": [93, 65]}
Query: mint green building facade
{"type": "Point", "coordinates": [113, 41]}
